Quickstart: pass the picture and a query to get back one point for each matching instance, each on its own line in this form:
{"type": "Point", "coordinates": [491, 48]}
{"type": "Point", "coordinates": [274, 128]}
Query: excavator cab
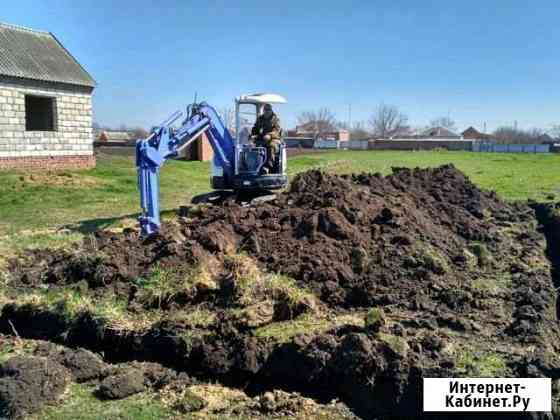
{"type": "Point", "coordinates": [249, 158]}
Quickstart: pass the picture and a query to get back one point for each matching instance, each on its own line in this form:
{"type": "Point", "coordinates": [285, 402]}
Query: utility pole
{"type": "Point", "coordinates": [349, 116]}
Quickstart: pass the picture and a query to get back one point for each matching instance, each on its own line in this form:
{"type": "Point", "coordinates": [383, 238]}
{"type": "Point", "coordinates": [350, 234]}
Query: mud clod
{"type": "Point", "coordinates": [27, 383]}
{"type": "Point", "coordinates": [121, 385]}
{"type": "Point", "coordinates": [82, 364]}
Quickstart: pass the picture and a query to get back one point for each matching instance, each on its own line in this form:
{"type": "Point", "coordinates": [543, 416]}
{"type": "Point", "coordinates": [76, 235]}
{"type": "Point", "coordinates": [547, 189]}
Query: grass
{"type": "Point", "coordinates": [159, 287]}
{"type": "Point", "coordinates": [162, 285]}
{"type": "Point", "coordinates": [195, 317]}
{"type": "Point", "coordinates": [284, 331]}
{"type": "Point", "coordinates": [494, 283]}
{"type": "Point", "coordinates": [69, 304]}
{"type": "Point", "coordinates": [250, 286]}
{"type": "Point", "coordinates": [374, 319]}
{"type": "Point", "coordinates": [81, 404]}
{"type": "Point", "coordinates": [34, 208]}
{"type": "Point", "coordinates": [109, 194]}
{"type": "Point", "coordinates": [14, 346]}
{"type": "Point", "coordinates": [397, 344]}
{"type": "Point", "coordinates": [473, 362]}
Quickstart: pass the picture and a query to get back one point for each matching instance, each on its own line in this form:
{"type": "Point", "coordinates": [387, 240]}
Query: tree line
{"type": "Point", "coordinates": [387, 121]}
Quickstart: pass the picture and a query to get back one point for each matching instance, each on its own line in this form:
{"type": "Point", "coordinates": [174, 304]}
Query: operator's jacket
{"type": "Point", "coordinates": [270, 126]}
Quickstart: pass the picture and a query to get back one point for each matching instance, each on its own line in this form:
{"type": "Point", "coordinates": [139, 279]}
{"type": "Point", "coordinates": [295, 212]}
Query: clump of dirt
{"type": "Point", "coordinates": [83, 365]}
{"type": "Point", "coordinates": [27, 383]}
{"type": "Point", "coordinates": [352, 287]}
{"type": "Point", "coordinates": [121, 385]}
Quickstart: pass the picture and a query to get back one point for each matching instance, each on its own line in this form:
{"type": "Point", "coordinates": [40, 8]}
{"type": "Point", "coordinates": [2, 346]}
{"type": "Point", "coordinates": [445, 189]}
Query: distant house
{"type": "Point", "coordinates": [200, 150]}
{"type": "Point", "coordinates": [45, 103]}
{"type": "Point", "coordinates": [310, 129]}
{"type": "Point", "coordinates": [472, 133]}
{"type": "Point", "coordinates": [404, 133]}
{"type": "Point", "coordinates": [115, 136]}
{"type": "Point", "coordinates": [545, 139]}
{"type": "Point", "coordinates": [427, 139]}
{"type": "Point", "coordinates": [438, 133]}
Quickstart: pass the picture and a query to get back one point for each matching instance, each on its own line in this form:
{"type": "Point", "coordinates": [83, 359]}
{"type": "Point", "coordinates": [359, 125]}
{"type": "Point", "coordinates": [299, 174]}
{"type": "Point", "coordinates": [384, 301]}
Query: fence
{"type": "Point", "coordinates": [510, 148]}
{"type": "Point", "coordinates": [299, 142]}
{"type": "Point", "coordinates": [354, 144]}
{"type": "Point", "coordinates": [421, 144]}
{"type": "Point", "coordinates": [326, 144]}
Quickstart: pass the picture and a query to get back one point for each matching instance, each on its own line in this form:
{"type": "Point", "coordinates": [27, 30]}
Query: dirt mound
{"type": "Point", "coordinates": [351, 238]}
{"type": "Point", "coordinates": [351, 287]}
{"type": "Point", "coordinates": [26, 383]}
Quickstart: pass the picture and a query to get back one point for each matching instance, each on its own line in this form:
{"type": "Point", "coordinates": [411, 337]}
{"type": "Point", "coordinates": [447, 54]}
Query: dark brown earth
{"type": "Point", "coordinates": [454, 282]}
{"type": "Point", "coordinates": [26, 383]}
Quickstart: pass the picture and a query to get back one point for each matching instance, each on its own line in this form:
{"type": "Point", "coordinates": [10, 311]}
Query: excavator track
{"type": "Point", "coordinates": [243, 198]}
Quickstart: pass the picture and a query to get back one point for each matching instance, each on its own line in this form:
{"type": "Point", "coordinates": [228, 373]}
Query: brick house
{"type": "Point", "coordinates": [439, 133]}
{"type": "Point", "coordinates": [200, 150]}
{"type": "Point", "coordinates": [472, 133]}
{"type": "Point", "coordinates": [45, 103]}
{"type": "Point", "coordinates": [310, 129]}
{"type": "Point", "coordinates": [120, 136]}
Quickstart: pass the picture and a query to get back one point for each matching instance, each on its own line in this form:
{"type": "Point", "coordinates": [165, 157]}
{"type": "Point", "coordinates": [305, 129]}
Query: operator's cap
{"type": "Point", "coordinates": [267, 107]}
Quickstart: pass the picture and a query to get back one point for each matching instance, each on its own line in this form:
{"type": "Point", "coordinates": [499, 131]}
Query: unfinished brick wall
{"type": "Point", "coordinates": [69, 145]}
{"type": "Point", "coordinates": [50, 163]}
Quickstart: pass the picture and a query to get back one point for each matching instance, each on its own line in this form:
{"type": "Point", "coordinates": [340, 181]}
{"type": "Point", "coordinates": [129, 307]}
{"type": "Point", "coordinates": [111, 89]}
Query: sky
{"type": "Point", "coordinates": [478, 61]}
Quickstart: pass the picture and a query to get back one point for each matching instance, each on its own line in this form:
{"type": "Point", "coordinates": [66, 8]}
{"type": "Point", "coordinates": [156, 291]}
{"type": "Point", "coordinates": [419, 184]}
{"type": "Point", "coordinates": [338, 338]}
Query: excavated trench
{"type": "Point", "coordinates": [450, 280]}
{"type": "Point", "coordinates": [548, 215]}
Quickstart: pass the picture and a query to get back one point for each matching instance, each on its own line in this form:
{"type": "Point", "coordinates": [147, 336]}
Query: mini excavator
{"type": "Point", "coordinates": [237, 163]}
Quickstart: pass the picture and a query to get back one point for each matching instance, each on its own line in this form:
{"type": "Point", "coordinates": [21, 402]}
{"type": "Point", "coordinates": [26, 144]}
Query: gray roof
{"type": "Point", "coordinates": [36, 55]}
{"type": "Point", "coordinates": [439, 132]}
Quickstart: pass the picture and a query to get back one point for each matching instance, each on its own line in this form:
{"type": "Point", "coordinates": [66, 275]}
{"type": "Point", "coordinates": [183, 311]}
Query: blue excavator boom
{"type": "Point", "coordinates": [165, 143]}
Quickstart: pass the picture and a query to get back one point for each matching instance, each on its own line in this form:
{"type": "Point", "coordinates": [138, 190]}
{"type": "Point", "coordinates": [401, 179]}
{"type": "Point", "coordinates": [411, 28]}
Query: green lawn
{"type": "Point", "coordinates": [87, 200]}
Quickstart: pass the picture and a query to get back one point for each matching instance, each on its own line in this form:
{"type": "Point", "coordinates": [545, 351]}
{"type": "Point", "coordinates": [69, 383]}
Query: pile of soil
{"type": "Point", "coordinates": [26, 383]}
{"type": "Point", "coordinates": [454, 275]}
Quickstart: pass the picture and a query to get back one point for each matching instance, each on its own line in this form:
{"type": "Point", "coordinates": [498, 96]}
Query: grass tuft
{"type": "Point", "coordinates": [472, 362]}
{"type": "Point", "coordinates": [374, 319]}
{"type": "Point", "coordinates": [80, 404]}
{"type": "Point", "coordinates": [284, 331]}
{"type": "Point", "coordinates": [163, 285]}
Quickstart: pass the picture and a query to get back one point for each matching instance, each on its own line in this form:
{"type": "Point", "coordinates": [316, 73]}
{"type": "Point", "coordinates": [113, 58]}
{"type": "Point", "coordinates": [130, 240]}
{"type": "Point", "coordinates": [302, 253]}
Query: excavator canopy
{"type": "Point", "coordinates": [261, 98]}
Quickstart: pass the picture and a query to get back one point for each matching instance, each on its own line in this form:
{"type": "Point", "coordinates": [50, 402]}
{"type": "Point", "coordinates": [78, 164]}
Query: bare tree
{"type": "Point", "coordinates": [555, 131]}
{"type": "Point", "coordinates": [139, 133]}
{"type": "Point", "coordinates": [445, 122]}
{"type": "Point", "coordinates": [387, 121]}
{"type": "Point", "coordinates": [317, 122]}
{"type": "Point", "coordinates": [359, 131]}
{"type": "Point", "coordinates": [511, 135]}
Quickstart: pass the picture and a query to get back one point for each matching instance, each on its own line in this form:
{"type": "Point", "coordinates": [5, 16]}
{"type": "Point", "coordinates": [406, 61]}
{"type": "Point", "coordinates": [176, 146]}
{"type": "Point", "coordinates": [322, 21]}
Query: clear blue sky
{"type": "Point", "coordinates": [480, 60]}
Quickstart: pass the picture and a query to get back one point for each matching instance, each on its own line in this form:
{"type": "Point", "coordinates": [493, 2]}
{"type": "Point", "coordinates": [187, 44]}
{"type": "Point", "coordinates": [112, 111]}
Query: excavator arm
{"type": "Point", "coordinates": [166, 142]}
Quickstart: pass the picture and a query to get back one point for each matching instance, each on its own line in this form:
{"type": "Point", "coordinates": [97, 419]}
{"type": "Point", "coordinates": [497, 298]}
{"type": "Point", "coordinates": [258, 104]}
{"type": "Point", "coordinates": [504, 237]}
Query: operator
{"type": "Point", "coordinates": [266, 133]}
